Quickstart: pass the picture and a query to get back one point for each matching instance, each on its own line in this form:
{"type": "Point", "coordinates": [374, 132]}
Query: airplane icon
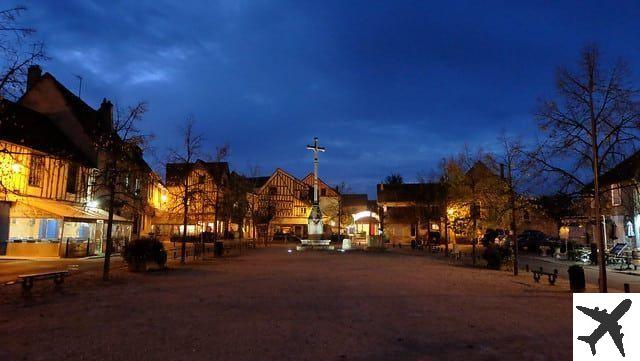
{"type": "Point", "coordinates": [608, 323]}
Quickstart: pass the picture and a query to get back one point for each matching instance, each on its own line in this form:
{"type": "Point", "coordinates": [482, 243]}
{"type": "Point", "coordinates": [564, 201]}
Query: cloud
{"type": "Point", "coordinates": [387, 86]}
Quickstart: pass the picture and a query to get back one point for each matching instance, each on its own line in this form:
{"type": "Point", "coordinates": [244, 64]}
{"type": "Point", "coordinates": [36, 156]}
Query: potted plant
{"type": "Point", "coordinates": [140, 253]}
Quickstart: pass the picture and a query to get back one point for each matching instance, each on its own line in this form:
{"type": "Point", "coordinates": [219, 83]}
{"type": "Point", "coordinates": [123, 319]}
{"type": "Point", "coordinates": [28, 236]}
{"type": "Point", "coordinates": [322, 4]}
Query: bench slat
{"type": "Point", "coordinates": [44, 274]}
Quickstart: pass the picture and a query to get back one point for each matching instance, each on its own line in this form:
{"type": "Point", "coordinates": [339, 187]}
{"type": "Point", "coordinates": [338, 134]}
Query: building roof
{"type": "Point", "coordinates": [355, 200]}
{"type": "Point", "coordinates": [411, 192]}
{"type": "Point", "coordinates": [176, 172]}
{"type": "Point", "coordinates": [258, 182]}
{"type": "Point", "coordinates": [85, 114]}
{"type": "Point", "coordinates": [626, 170]}
{"type": "Point", "coordinates": [23, 126]}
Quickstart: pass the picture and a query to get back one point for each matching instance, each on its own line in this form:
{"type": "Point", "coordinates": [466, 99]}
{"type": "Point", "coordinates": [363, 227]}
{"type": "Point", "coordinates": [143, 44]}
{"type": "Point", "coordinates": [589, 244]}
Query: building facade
{"type": "Point", "coordinates": [203, 186]}
{"type": "Point", "coordinates": [411, 211]}
{"type": "Point", "coordinates": [45, 205]}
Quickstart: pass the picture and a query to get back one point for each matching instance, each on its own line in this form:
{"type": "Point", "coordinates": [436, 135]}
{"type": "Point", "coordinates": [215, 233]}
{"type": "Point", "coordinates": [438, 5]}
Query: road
{"type": "Point", "coordinates": [615, 278]}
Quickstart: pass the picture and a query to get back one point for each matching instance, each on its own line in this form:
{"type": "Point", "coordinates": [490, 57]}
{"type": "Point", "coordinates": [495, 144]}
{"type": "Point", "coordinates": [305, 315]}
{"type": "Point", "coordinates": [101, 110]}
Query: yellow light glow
{"type": "Point", "coordinates": [15, 167]}
{"type": "Point", "coordinates": [163, 198]}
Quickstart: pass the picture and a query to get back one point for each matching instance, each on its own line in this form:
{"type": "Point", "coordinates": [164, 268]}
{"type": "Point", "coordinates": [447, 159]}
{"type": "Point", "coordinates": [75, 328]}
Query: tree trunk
{"type": "Point", "coordinates": [596, 190]}
{"type": "Point", "coordinates": [512, 202]}
{"type": "Point", "coordinates": [185, 220]}
{"type": "Point", "coordinates": [109, 246]}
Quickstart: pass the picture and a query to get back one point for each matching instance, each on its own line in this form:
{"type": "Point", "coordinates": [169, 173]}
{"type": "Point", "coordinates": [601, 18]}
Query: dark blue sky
{"type": "Point", "coordinates": [386, 86]}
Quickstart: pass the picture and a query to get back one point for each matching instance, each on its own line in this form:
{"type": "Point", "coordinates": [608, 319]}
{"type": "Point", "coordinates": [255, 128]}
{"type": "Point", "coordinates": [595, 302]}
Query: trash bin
{"type": "Point", "coordinates": [576, 278]}
{"type": "Point", "coordinates": [218, 249]}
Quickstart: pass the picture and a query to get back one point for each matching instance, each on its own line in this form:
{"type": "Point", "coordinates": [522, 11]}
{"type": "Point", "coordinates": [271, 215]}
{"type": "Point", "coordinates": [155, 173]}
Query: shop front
{"type": "Point", "coordinates": [47, 228]}
{"type": "Point", "coordinates": [365, 224]}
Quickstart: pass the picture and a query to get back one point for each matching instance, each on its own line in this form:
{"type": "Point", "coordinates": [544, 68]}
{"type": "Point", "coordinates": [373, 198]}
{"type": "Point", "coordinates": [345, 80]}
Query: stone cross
{"type": "Point", "coordinates": [315, 148]}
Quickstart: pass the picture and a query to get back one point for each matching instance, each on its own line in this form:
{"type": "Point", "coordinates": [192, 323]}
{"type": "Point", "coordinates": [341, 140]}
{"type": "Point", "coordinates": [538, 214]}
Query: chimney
{"type": "Point", "coordinates": [33, 75]}
{"type": "Point", "coordinates": [106, 113]}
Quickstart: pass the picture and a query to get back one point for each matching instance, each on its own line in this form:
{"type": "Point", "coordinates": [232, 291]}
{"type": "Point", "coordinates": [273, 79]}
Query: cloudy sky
{"type": "Point", "coordinates": [386, 85]}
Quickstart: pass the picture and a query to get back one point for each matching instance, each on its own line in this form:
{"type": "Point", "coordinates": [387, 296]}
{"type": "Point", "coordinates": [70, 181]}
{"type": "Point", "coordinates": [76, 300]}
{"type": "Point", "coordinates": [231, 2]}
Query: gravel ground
{"type": "Point", "coordinates": [272, 305]}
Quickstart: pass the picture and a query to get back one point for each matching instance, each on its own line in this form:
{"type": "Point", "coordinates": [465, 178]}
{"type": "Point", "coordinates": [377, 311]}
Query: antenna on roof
{"type": "Point", "coordinates": [80, 85]}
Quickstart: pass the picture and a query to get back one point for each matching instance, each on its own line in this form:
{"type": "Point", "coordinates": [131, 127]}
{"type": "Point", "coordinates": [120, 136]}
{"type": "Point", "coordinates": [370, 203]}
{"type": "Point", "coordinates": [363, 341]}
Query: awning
{"type": "Point", "coordinates": [27, 207]}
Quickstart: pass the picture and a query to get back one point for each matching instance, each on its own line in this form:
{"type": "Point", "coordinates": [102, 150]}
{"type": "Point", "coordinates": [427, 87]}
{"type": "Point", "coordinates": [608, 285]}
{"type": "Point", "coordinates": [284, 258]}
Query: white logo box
{"type": "Point", "coordinates": [584, 326]}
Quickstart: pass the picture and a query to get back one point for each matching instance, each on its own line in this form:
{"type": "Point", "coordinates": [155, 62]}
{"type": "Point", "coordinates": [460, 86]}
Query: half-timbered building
{"type": "Point", "coordinates": [84, 127]}
{"type": "Point", "coordinates": [45, 208]}
{"type": "Point", "coordinates": [281, 204]}
{"type": "Point", "coordinates": [202, 185]}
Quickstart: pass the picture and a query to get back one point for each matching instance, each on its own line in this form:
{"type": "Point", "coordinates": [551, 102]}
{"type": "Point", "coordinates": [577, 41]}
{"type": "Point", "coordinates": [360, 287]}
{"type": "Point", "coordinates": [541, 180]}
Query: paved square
{"type": "Point", "coordinates": [273, 305]}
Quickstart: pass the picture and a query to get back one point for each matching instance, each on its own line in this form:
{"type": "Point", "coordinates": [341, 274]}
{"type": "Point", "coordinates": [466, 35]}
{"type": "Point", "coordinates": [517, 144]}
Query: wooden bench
{"type": "Point", "coordinates": [551, 276]}
{"type": "Point", "coordinates": [28, 279]}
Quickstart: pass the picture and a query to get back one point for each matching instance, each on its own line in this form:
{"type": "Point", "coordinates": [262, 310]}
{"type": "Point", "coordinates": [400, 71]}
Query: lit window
{"type": "Point", "coordinates": [616, 198]}
{"type": "Point", "coordinates": [630, 231]}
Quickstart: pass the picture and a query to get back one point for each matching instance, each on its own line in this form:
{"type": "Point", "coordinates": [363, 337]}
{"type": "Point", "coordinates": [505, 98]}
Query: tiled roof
{"type": "Point", "coordinates": [29, 128]}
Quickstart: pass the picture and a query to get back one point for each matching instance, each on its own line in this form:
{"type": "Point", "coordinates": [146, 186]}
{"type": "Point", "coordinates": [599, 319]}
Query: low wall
{"type": "Point", "coordinates": [26, 249]}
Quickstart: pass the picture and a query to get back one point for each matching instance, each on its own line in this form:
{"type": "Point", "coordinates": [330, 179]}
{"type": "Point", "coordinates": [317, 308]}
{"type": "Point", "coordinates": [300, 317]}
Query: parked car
{"type": "Point", "coordinates": [531, 240]}
{"type": "Point", "coordinates": [493, 236]}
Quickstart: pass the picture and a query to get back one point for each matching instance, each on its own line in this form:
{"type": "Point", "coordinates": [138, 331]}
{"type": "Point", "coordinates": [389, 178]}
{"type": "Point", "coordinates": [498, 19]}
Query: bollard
{"type": "Point", "coordinates": [627, 289]}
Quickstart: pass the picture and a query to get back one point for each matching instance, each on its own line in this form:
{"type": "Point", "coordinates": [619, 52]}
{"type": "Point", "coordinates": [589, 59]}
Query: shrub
{"type": "Point", "coordinates": [493, 255]}
{"type": "Point", "coordinates": [139, 252]}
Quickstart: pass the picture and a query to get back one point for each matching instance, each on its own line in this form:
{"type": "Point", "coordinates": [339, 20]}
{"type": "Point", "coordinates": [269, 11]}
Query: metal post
{"type": "Point", "coordinates": [627, 289]}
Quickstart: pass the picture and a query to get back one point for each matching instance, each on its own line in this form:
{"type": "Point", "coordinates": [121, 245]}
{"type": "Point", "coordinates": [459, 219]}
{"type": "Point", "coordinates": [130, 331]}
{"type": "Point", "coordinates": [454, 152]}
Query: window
{"type": "Point", "coordinates": [616, 198]}
{"type": "Point", "coordinates": [201, 179]}
{"type": "Point", "coordinates": [136, 189]}
{"type": "Point", "coordinates": [36, 167]}
{"type": "Point", "coordinates": [323, 192]}
{"type": "Point", "coordinates": [303, 210]}
{"type": "Point", "coordinates": [273, 191]}
{"type": "Point", "coordinates": [72, 178]}
{"type": "Point", "coordinates": [526, 217]}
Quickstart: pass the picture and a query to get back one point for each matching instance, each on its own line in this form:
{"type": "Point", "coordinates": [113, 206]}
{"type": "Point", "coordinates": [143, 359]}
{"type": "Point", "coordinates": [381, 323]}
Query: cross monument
{"type": "Point", "coordinates": [315, 148]}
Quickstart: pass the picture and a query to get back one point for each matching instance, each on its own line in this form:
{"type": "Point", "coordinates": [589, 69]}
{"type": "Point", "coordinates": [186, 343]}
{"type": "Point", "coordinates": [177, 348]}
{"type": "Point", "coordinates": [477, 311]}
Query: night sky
{"type": "Point", "coordinates": [389, 86]}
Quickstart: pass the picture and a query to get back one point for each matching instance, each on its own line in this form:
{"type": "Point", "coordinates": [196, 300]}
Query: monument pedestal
{"type": "Point", "coordinates": [315, 231]}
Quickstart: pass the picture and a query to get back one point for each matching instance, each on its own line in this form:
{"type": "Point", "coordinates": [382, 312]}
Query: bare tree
{"type": "Point", "coordinates": [17, 52]}
{"type": "Point", "coordinates": [186, 190]}
{"type": "Point", "coordinates": [119, 144]}
{"type": "Point", "coordinates": [518, 174]}
{"type": "Point", "coordinates": [475, 194]}
{"type": "Point", "coordinates": [335, 210]}
{"type": "Point", "coordinates": [589, 127]}
{"type": "Point", "coordinates": [393, 178]}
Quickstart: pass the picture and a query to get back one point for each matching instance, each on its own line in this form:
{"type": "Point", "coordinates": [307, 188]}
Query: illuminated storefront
{"type": "Point", "coordinates": [47, 228]}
